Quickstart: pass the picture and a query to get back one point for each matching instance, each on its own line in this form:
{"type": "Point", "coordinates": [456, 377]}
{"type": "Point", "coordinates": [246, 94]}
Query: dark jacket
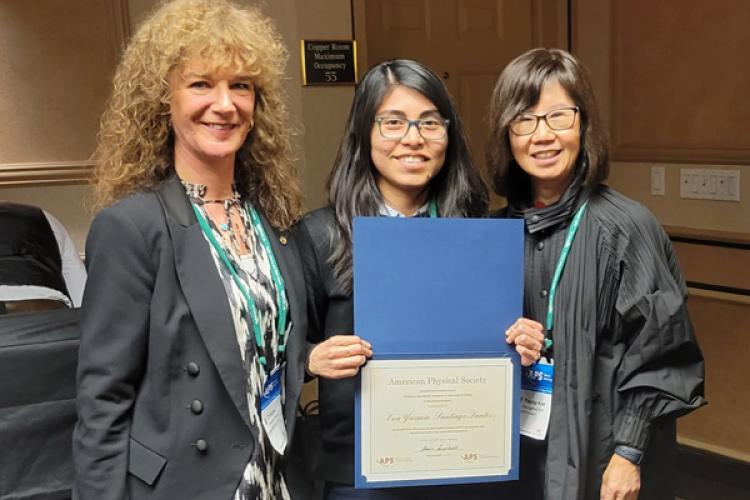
{"type": "Point", "coordinates": [161, 387]}
{"type": "Point", "coordinates": [626, 359]}
{"type": "Point", "coordinates": [331, 313]}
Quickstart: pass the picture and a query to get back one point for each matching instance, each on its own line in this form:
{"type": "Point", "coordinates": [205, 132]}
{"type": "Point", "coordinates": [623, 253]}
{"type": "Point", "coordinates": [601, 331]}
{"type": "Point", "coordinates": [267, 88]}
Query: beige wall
{"type": "Point", "coordinates": [318, 113]}
{"type": "Point", "coordinates": [634, 180]}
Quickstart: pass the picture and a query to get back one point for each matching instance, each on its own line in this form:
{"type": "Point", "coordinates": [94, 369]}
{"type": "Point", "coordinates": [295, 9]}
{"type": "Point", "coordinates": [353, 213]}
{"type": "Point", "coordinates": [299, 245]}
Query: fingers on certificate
{"type": "Point", "coordinates": [339, 356]}
{"type": "Point", "coordinates": [528, 336]}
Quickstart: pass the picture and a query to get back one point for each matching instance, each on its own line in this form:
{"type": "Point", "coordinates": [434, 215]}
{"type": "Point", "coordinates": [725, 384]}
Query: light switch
{"type": "Point", "coordinates": [657, 181]}
{"type": "Point", "coordinates": [733, 185]}
{"type": "Point", "coordinates": [711, 184]}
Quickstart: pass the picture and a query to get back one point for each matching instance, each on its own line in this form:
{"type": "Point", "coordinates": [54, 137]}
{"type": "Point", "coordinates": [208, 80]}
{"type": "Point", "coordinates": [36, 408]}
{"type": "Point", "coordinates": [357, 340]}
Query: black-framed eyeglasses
{"type": "Point", "coordinates": [395, 127]}
{"type": "Point", "coordinates": [557, 119]}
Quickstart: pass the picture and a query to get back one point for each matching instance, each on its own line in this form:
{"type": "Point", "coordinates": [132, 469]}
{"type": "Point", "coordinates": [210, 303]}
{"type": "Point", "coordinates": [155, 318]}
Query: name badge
{"type": "Point", "coordinates": [536, 398]}
{"type": "Point", "coordinates": [271, 411]}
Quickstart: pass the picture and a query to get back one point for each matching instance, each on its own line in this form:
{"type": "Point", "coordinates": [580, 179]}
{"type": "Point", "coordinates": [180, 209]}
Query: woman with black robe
{"type": "Point", "coordinates": [602, 284]}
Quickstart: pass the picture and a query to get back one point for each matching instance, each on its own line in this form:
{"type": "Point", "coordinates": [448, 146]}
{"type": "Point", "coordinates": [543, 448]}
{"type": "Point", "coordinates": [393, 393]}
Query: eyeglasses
{"type": "Point", "coordinates": [395, 127]}
{"type": "Point", "coordinates": [557, 119]}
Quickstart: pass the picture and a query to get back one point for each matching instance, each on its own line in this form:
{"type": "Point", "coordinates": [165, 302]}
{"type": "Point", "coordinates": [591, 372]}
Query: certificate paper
{"type": "Point", "coordinates": [436, 419]}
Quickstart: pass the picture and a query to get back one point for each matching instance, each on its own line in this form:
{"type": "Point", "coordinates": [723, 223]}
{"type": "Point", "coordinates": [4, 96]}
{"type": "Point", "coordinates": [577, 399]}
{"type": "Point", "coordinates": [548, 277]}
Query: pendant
{"type": "Point", "coordinates": [225, 226]}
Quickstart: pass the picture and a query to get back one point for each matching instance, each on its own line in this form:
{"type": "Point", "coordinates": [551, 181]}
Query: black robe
{"type": "Point", "coordinates": [626, 360]}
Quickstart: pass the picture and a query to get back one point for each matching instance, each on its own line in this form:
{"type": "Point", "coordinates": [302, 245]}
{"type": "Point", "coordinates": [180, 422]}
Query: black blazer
{"type": "Point", "coordinates": [331, 312]}
{"type": "Point", "coordinates": [161, 388]}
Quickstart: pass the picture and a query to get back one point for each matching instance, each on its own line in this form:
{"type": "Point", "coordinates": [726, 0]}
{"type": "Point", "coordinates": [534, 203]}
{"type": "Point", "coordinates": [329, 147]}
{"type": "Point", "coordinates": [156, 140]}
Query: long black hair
{"type": "Point", "coordinates": [457, 189]}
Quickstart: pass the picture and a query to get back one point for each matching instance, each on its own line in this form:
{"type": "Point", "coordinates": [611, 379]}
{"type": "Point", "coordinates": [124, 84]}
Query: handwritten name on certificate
{"type": "Point", "coordinates": [436, 418]}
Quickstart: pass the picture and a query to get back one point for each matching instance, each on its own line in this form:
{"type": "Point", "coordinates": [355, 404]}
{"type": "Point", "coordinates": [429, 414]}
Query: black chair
{"type": "Point", "coordinates": [38, 359]}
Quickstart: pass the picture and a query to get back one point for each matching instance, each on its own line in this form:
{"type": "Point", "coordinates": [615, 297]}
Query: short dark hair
{"type": "Point", "coordinates": [457, 189]}
{"type": "Point", "coordinates": [517, 89]}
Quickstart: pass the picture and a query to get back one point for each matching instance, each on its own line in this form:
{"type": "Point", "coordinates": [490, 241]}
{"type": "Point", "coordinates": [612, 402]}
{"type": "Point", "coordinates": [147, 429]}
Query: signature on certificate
{"type": "Point", "coordinates": [437, 447]}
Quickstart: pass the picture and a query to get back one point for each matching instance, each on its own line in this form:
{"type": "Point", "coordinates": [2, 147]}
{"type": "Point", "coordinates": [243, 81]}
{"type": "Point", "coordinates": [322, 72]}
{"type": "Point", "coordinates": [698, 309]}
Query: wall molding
{"type": "Point", "coordinates": [45, 173]}
{"type": "Point", "coordinates": [706, 475]}
{"type": "Point", "coordinates": [718, 296]}
{"type": "Point", "coordinates": [708, 236]}
{"type": "Point", "coordinates": [713, 264]}
{"type": "Point", "coordinates": [695, 444]}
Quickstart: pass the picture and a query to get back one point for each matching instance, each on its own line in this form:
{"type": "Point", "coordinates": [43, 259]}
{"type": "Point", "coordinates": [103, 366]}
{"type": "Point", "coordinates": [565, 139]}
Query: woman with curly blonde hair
{"type": "Point", "coordinates": [194, 312]}
{"type": "Point", "coordinates": [135, 146]}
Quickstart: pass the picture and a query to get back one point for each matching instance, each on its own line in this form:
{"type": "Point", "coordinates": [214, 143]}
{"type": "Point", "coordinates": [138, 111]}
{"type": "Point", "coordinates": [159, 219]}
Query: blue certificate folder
{"type": "Point", "coordinates": [437, 288]}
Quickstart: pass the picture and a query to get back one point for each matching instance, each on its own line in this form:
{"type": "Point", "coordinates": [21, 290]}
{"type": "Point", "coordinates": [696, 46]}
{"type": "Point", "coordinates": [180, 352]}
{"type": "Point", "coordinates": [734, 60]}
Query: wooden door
{"type": "Point", "coordinates": [467, 42]}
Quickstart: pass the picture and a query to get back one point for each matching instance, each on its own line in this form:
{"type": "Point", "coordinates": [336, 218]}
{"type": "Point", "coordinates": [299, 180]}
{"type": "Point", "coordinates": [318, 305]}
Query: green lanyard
{"type": "Point", "coordinates": [278, 281]}
{"type": "Point", "coordinates": [432, 209]}
{"type": "Point", "coordinates": [558, 272]}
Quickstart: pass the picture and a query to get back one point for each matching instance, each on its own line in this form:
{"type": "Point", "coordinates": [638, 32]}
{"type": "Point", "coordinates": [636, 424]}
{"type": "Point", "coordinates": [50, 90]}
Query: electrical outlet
{"type": "Point", "coordinates": [709, 184]}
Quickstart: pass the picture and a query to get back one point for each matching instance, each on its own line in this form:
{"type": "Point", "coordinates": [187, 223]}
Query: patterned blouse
{"type": "Point", "coordinates": [262, 478]}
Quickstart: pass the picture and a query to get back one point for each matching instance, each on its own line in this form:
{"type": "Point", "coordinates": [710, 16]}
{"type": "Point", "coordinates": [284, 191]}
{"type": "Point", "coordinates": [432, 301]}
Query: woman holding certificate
{"type": "Point", "coordinates": [603, 285]}
{"type": "Point", "coordinates": [403, 154]}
